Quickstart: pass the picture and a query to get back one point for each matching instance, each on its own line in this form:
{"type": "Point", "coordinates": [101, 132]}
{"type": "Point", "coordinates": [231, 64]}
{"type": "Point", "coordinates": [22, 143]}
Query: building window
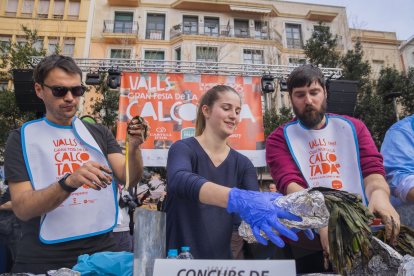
{"type": "Point", "coordinates": [123, 22]}
{"type": "Point", "coordinates": [73, 11]}
{"type": "Point", "coordinates": [320, 28]}
{"type": "Point", "coordinates": [4, 43]}
{"type": "Point", "coordinates": [121, 53]}
{"type": "Point", "coordinates": [261, 29]}
{"type": "Point", "coordinates": [253, 56]}
{"type": "Point", "coordinates": [69, 46]}
{"type": "Point", "coordinates": [43, 8]}
{"type": "Point", "coordinates": [377, 66]}
{"type": "Point", "coordinates": [58, 9]}
{"type": "Point", "coordinates": [4, 85]}
{"type": "Point", "coordinates": [209, 54]}
{"type": "Point", "coordinates": [11, 8]}
{"type": "Point", "coordinates": [154, 55]}
{"type": "Point", "coordinates": [190, 24]}
{"type": "Point", "coordinates": [241, 28]}
{"type": "Point", "coordinates": [211, 26]}
{"type": "Point", "coordinates": [38, 44]}
{"type": "Point", "coordinates": [27, 8]}
{"type": "Point", "coordinates": [177, 53]}
{"type": "Point", "coordinates": [294, 36]}
{"type": "Point", "coordinates": [21, 41]}
{"type": "Point", "coordinates": [155, 26]}
{"type": "Point", "coordinates": [297, 61]}
{"type": "Point", "coordinates": [53, 45]}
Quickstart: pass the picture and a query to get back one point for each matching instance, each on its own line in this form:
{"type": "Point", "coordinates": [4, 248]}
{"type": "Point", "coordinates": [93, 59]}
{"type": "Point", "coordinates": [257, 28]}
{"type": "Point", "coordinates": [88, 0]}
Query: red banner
{"type": "Point", "coordinates": [168, 102]}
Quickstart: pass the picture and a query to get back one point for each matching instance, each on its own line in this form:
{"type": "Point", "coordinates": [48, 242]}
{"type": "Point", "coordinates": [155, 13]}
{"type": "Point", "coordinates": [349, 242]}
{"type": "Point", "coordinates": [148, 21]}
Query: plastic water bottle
{"type": "Point", "coordinates": [185, 253]}
{"type": "Point", "coordinates": [172, 254]}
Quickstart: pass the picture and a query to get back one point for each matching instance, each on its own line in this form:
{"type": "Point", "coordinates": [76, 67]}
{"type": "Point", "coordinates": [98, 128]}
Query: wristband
{"type": "Point", "coordinates": [64, 186]}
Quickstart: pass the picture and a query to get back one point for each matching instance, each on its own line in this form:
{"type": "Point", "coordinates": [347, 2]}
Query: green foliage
{"type": "Point", "coordinates": [272, 119]}
{"type": "Point", "coordinates": [408, 92]}
{"type": "Point", "coordinates": [354, 67]}
{"type": "Point", "coordinates": [377, 115]}
{"type": "Point", "coordinates": [107, 105]}
{"type": "Point", "coordinates": [11, 118]}
{"type": "Point", "coordinates": [15, 56]}
{"type": "Point", "coordinates": [321, 47]}
{"type": "Point", "coordinates": [405, 240]}
{"type": "Point", "coordinates": [390, 80]}
{"type": "Point", "coordinates": [349, 231]}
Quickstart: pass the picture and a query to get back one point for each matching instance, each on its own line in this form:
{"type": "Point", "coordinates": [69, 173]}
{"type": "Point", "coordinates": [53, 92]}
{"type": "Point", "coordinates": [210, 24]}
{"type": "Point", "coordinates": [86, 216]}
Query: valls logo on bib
{"type": "Point", "coordinates": [324, 162]}
{"type": "Point", "coordinates": [69, 155]}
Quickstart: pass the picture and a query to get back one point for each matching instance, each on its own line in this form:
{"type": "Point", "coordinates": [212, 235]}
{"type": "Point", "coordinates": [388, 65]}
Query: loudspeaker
{"type": "Point", "coordinates": [268, 85]}
{"type": "Point", "coordinates": [92, 79]}
{"type": "Point", "coordinates": [114, 78]}
{"type": "Point", "coordinates": [342, 96]}
{"type": "Point", "coordinates": [24, 91]}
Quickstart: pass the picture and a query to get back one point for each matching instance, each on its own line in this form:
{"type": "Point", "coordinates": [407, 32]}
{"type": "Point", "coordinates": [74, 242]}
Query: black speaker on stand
{"type": "Point", "coordinates": [26, 98]}
{"type": "Point", "coordinates": [342, 96]}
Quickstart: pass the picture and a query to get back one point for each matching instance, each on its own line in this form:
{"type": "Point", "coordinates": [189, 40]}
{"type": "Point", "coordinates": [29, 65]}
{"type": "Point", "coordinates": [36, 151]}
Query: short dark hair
{"type": "Point", "coordinates": [51, 62]}
{"type": "Point", "coordinates": [305, 75]}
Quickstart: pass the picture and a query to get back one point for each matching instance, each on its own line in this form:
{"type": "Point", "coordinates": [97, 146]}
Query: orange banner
{"type": "Point", "coordinates": [168, 102]}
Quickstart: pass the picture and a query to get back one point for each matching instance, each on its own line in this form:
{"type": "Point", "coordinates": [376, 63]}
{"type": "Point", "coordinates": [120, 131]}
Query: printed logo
{"type": "Point", "coordinates": [324, 164]}
{"type": "Point", "coordinates": [161, 129]}
{"type": "Point", "coordinates": [337, 184]}
{"type": "Point", "coordinates": [69, 155]}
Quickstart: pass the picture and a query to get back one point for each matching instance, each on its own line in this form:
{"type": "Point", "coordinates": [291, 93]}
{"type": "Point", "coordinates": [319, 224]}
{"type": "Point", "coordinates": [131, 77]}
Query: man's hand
{"type": "Point", "coordinates": [138, 131]}
{"type": "Point", "coordinates": [378, 194]}
{"type": "Point", "coordinates": [380, 205]}
{"type": "Point", "coordinates": [91, 174]}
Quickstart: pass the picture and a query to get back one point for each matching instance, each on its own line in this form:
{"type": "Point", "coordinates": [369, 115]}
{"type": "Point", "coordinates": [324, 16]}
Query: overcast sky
{"type": "Point", "coordinates": [380, 15]}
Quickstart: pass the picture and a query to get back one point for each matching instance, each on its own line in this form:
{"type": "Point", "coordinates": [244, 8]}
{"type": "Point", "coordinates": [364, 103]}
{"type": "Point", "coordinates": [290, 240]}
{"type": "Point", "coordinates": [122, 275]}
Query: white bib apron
{"type": "Point", "coordinates": [327, 157]}
{"type": "Point", "coordinates": [50, 151]}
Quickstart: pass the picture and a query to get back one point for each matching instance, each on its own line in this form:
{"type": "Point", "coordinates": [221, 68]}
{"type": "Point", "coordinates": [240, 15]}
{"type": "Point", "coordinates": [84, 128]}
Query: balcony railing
{"type": "Point", "coordinates": [10, 14]}
{"type": "Point", "coordinates": [122, 27]}
{"type": "Point", "coordinates": [226, 31]}
{"type": "Point", "coordinates": [154, 34]}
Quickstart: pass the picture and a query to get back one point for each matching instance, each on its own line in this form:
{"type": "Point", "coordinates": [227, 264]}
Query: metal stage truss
{"type": "Point", "coordinates": [190, 67]}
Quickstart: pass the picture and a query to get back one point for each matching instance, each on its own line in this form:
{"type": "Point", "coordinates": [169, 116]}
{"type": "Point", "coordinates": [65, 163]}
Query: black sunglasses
{"type": "Point", "coordinates": [61, 91]}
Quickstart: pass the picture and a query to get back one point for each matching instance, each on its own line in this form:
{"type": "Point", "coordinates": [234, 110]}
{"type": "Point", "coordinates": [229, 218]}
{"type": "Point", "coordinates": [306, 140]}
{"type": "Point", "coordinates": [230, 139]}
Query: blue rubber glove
{"type": "Point", "coordinates": [258, 210]}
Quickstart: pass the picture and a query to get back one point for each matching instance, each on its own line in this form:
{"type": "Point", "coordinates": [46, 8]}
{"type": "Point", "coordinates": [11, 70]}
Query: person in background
{"type": "Point", "coordinates": [10, 231]}
{"type": "Point", "coordinates": [272, 188]}
{"type": "Point", "coordinates": [122, 232]}
{"type": "Point", "coordinates": [320, 149]}
{"type": "Point", "coordinates": [60, 173]}
{"type": "Point", "coordinates": [209, 183]}
{"type": "Point", "coordinates": [398, 152]}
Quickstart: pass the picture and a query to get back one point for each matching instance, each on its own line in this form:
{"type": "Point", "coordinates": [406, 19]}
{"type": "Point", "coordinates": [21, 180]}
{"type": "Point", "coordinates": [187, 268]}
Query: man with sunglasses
{"type": "Point", "coordinates": [60, 172]}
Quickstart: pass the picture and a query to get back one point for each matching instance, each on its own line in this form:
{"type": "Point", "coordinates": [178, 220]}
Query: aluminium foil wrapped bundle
{"type": "Point", "coordinates": [308, 204]}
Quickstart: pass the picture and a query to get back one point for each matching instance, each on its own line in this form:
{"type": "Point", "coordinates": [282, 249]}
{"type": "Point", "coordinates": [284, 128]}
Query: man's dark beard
{"type": "Point", "coordinates": [311, 117]}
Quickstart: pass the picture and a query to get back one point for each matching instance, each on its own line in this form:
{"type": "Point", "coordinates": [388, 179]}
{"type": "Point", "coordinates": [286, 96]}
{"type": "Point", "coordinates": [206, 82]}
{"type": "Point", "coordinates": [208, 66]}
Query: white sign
{"type": "Point", "coordinates": [177, 267]}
